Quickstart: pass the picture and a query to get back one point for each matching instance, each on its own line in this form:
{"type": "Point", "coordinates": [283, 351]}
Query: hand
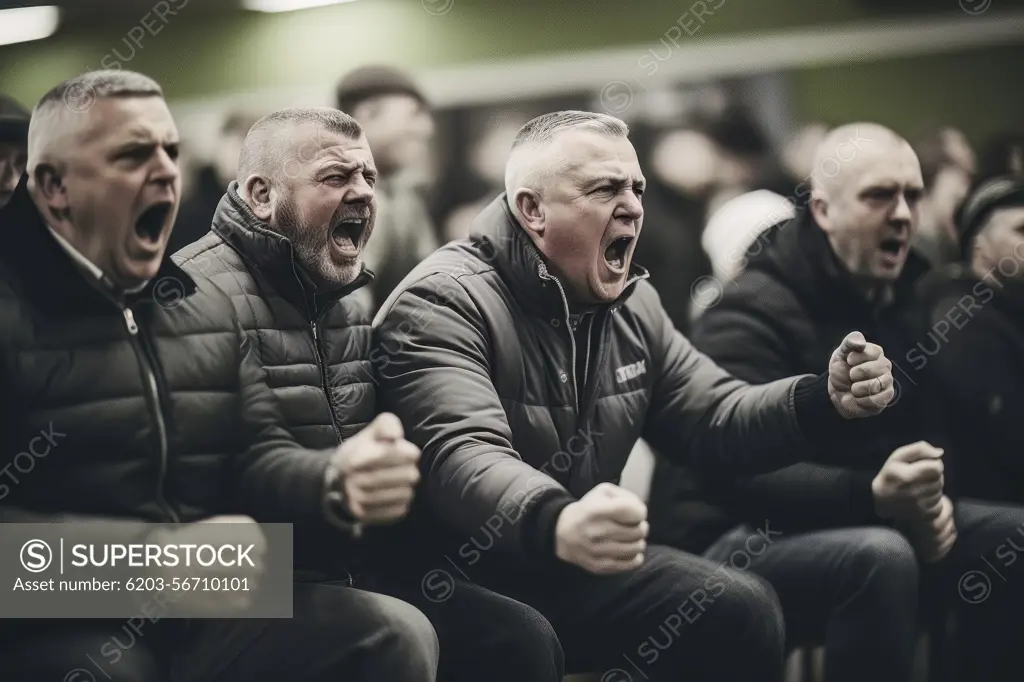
{"type": "Point", "coordinates": [934, 536]}
{"type": "Point", "coordinates": [377, 470]}
{"type": "Point", "coordinates": [604, 532]}
{"type": "Point", "coordinates": [909, 484]}
{"type": "Point", "coordinates": [220, 603]}
{"type": "Point", "coordinates": [860, 381]}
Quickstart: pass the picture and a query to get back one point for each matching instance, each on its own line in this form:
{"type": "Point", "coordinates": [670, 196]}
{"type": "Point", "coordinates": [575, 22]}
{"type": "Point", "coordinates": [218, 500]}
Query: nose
{"type": "Point", "coordinates": [359, 191]}
{"type": "Point", "coordinates": [632, 208]}
{"type": "Point", "coordinates": [902, 212]}
{"type": "Point", "coordinates": [166, 169]}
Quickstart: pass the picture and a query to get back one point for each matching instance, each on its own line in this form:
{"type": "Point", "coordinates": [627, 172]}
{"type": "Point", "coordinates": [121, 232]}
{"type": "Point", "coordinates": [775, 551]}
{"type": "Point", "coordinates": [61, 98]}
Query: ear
{"type": "Point", "coordinates": [530, 209]}
{"type": "Point", "coordinates": [257, 195]}
{"type": "Point", "coordinates": [819, 210]}
{"type": "Point", "coordinates": [50, 187]}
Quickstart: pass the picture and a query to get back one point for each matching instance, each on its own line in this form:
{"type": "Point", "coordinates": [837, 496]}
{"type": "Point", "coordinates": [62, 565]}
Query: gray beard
{"type": "Point", "coordinates": [312, 250]}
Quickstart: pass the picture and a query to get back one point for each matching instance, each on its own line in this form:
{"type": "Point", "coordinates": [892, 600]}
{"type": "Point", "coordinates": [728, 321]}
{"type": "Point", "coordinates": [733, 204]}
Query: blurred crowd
{"type": "Point", "coordinates": [766, 256]}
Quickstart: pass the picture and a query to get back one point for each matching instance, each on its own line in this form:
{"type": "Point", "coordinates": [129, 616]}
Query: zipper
{"type": "Point", "coordinates": [586, 358]}
{"type": "Point", "coordinates": [543, 272]}
{"type": "Point", "coordinates": [323, 378]}
{"type": "Point", "coordinates": [161, 426]}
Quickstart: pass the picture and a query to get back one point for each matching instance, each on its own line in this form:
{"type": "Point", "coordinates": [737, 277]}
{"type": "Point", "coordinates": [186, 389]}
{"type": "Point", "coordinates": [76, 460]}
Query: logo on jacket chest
{"type": "Point", "coordinates": [627, 372]}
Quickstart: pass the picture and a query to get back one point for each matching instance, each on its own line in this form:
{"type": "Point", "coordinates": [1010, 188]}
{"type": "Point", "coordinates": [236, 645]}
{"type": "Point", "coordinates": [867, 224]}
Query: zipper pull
{"type": "Point", "coordinates": [316, 336]}
{"type": "Point", "coordinates": [129, 319]}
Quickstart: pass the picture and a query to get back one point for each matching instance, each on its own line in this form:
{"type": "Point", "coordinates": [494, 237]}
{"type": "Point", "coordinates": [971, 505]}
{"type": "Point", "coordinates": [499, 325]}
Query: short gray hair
{"type": "Point", "coordinates": [59, 113]}
{"type": "Point", "coordinates": [522, 168]}
{"type": "Point", "coordinates": [545, 127]}
{"type": "Point", "coordinates": [266, 152]}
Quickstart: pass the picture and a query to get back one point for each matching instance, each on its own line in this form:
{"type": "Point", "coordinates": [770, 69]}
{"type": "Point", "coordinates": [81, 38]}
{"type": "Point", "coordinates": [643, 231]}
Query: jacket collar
{"type": "Point", "coordinates": [270, 255]}
{"type": "Point", "coordinates": [798, 252]}
{"type": "Point", "coordinates": [507, 246]}
{"type": "Point", "coordinates": [52, 273]}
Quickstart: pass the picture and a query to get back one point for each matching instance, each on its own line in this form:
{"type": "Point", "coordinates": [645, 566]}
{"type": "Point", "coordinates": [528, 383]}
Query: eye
{"type": "Point", "coordinates": [638, 190]}
{"type": "Point", "coordinates": [173, 151]}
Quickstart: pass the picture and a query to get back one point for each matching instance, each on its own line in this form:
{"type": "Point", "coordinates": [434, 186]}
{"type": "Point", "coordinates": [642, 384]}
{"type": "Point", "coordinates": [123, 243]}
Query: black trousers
{"type": "Point", "coordinates": [484, 636]}
{"type": "Point", "coordinates": [862, 593]}
{"type": "Point", "coordinates": [981, 582]}
{"type": "Point", "coordinates": [336, 634]}
{"type": "Point", "coordinates": [677, 617]}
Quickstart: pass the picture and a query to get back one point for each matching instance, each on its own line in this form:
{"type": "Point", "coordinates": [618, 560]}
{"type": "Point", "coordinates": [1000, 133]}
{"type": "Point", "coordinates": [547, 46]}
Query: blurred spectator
{"type": "Point", "coordinates": [1002, 155]}
{"type": "Point", "coordinates": [399, 125]}
{"type": "Point", "coordinates": [797, 161]}
{"type": "Point", "coordinates": [948, 166]}
{"type": "Point", "coordinates": [210, 182]}
{"type": "Point", "coordinates": [681, 173]}
{"type": "Point", "coordinates": [743, 153]}
{"type": "Point", "coordinates": [737, 225]}
{"type": "Point", "coordinates": [14, 120]}
{"type": "Point", "coordinates": [487, 162]}
{"type": "Point", "coordinates": [972, 342]}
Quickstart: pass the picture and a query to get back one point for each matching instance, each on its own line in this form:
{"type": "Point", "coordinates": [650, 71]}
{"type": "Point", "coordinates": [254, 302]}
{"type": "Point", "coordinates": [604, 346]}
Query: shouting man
{"type": "Point", "coordinates": [529, 359]}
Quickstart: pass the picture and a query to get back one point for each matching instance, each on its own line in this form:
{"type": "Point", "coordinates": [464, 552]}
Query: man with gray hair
{"type": "Point", "coordinates": [287, 245]}
{"type": "Point", "coordinates": [526, 362]}
{"type": "Point", "coordinates": [162, 414]}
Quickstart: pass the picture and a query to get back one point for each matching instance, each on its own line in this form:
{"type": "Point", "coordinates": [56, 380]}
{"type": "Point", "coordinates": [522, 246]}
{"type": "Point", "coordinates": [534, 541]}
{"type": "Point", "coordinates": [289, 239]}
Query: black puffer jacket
{"type": "Point", "coordinates": [478, 359]}
{"type": "Point", "coordinates": [315, 347]}
{"type": "Point", "coordinates": [163, 412]}
{"type": "Point", "coordinates": [971, 345]}
{"type": "Point", "coordinates": [784, 315]}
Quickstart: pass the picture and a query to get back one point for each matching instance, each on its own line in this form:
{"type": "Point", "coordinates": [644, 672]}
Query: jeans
{"type": "Point", "coordinates": [677, 617]}
{"type": "Point", "coordinates": [981, 582]}
{"type": "Point", "coordinates": [337, 633]}
{"type": "Point", "coordinates": [855, 589]}
{"type": "Point", "coordinates": [859, 591]}
{"type": "Point", "coordinates": [484, 636]}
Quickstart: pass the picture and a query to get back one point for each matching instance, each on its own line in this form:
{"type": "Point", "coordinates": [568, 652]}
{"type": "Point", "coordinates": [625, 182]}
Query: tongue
{"type": "Point", "coordinates": [343, 241]}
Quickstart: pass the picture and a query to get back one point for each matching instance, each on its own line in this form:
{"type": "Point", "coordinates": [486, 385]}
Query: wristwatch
{"type": "Point", "coordinates": [335, 505]}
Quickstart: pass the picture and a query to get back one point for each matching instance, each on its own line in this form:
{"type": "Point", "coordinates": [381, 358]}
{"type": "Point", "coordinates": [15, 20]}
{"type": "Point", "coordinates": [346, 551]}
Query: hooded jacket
{"type": "Point", "coordinates": [147, 407]}
{"type": "Point", "coordinates": [479, 353]}
{"type": "Point", "coordinates": [784, 315]}
{"type": "Point", "coordinates": [314, 345]}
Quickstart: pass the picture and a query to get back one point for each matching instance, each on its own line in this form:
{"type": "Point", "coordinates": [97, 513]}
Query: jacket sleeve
{"type": "Point", "coordinates": [714, 424]}
{"type": "Point", "coordinates": [432, 356]}
{"type": "Point", "coordinates": [751, 343]}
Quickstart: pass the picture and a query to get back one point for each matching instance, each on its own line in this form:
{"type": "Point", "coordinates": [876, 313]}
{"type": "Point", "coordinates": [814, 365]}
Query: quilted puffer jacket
{"type": "Point", "coordinates": [315, 347]}
{"type": "Point", "coordinates": [480, 358]}
{"type": "Point", "coordinates": [149, 407]}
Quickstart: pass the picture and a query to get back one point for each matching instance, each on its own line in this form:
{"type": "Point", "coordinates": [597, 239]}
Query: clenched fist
{"type": "Point", "coordinates": [934, 535]}
{"type": "Point", "coordinates": [375, 472]}
{"type": "Point", "coordinates": [604, 532]}
{"type": "Point", "coordinates": [860, 381]}
{"type": "Point", "coordinates": [909, 484]}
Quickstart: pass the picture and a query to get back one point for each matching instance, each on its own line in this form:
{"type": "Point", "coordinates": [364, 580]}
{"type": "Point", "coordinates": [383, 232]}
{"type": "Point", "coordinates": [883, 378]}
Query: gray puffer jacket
{"type": "Point", "coordinates": [478, 357]}
{"type": "Point", "coordinates": [315, 347]}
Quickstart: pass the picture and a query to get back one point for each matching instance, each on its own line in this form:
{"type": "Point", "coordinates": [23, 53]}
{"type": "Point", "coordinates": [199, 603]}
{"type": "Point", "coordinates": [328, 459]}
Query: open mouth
{"type": "Point", "coordinates": [892, 246]}
{"type": "Point", "coordinates": [348, 233]}
{"type": "Point", "coordinates": [615, 254]}
{"type": "Point", "coordinates": [150, 225]}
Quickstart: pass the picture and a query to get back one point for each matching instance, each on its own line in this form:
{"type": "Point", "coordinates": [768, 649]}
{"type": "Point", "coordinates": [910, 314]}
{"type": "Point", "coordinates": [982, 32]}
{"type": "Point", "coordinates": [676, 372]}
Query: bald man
{"type": "Point", "coordinates": [287, 245]}
{"type": "Point", "coordinates": [857, 539]}
{"type": "Point", "coordinates": [526, 362]}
